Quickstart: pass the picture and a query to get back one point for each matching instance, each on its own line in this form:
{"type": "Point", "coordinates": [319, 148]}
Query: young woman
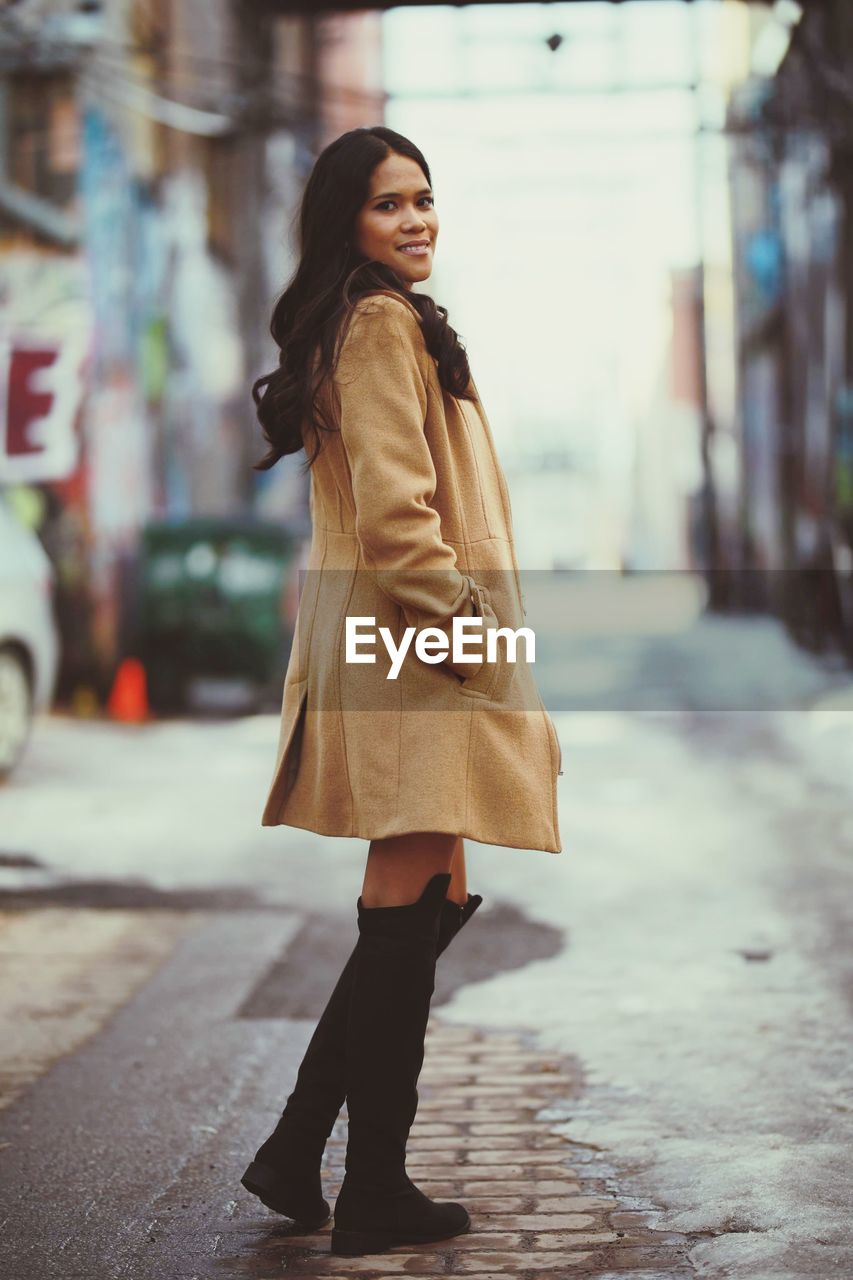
{"type": "Point", "coordinates": [411, 528]}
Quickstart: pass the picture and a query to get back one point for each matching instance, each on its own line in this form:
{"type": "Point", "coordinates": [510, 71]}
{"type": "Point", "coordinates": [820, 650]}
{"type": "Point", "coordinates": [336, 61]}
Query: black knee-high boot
{"type": "Point", "coordinates": [285, 1173]}
{"type": "Point", "coordinates": [378, 1205]}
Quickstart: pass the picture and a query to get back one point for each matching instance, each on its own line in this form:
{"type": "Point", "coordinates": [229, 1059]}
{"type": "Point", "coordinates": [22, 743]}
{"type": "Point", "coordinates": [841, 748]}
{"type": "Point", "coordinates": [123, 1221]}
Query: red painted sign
{"type": "Point", "coordinates": [41, 389]}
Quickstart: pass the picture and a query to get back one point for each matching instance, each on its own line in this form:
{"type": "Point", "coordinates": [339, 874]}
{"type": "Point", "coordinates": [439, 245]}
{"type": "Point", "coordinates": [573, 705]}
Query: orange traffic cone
{"type": "Point", "coordinates": [128, 699]}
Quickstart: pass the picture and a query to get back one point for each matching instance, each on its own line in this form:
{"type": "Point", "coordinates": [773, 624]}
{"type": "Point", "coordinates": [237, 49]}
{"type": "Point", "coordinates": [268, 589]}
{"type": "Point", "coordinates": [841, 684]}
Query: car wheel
{"type": "Point", "coordinates": [16, 709]}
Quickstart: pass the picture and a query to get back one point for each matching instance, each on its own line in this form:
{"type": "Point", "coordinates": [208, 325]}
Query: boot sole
{"type": "Point", "coordinates": [262, 1181]}
{"type": "Point", "coordinates": [352, 1244]}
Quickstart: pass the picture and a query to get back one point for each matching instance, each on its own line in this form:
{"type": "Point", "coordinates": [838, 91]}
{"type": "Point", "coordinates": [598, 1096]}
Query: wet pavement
{"type": "Point", "coordinates": [124, 1158]}
{"type": "Point", "coordinates": [674, 989]}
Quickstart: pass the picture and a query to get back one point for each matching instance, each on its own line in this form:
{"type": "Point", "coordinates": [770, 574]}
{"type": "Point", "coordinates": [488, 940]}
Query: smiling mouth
{"type": "Point", "coordinates": [414, 250]}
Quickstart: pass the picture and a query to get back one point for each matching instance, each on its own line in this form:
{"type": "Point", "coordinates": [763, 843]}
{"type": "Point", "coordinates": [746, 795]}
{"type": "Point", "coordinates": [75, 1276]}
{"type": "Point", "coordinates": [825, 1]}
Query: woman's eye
{"type": "Point", "coordinates": [384, 204]}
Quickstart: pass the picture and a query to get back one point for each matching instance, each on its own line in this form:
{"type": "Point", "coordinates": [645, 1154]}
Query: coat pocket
{"type": "Point", "coordinates": [494, 679]}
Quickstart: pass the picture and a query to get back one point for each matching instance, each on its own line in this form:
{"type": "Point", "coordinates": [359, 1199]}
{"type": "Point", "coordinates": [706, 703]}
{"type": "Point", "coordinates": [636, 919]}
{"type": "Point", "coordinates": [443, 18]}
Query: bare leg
{"type": "Point", "coordinates": [398, 868]}
{"type": "Point", "coordinates": [458, 891]}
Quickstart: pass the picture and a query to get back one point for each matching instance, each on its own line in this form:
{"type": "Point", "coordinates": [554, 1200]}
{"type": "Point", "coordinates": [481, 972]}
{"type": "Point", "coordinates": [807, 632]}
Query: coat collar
{"type": "Point", "coordinates": [391, 293]}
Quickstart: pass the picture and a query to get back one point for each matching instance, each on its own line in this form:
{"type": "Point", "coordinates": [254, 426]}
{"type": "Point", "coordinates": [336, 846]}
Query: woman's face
{"type": "Point", "coordinates": [399, 212]}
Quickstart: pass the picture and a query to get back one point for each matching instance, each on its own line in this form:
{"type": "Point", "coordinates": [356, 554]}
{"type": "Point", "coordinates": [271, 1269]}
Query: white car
{"type": "Point", "coordinates": [29, 645]}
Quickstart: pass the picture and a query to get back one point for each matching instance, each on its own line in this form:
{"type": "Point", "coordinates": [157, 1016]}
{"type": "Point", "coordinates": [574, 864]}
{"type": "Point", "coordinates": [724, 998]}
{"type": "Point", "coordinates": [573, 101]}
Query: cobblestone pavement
{"type": "Point", "coordinates": [141, 1129]}
{"type": "Point", "coordinates": [541, 1206]}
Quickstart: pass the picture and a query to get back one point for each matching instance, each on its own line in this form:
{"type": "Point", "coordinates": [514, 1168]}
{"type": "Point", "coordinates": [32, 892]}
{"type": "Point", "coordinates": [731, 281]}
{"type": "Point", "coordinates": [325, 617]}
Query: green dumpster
{"type": "Point", "coordinates": [211, 608]}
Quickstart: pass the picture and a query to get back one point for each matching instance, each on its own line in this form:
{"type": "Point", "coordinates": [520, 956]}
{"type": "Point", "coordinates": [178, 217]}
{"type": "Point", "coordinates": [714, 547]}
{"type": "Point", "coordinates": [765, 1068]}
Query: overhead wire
{"type": "Point", "coordinates": [109, 66]}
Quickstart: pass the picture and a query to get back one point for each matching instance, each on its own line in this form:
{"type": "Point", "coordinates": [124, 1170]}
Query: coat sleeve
{"type": "Point", "coordinates": [381, 385]}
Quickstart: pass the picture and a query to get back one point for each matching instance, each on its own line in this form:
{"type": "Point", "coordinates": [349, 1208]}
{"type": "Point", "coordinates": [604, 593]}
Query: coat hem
{"type": "Point", "coordinates": [466, 834]}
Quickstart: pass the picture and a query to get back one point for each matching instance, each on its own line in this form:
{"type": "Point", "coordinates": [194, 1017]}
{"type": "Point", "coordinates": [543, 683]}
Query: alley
{"type": "Point", "coordinates": [609, 359]}
{"type": "Point", "coordinates": [640, 1056]}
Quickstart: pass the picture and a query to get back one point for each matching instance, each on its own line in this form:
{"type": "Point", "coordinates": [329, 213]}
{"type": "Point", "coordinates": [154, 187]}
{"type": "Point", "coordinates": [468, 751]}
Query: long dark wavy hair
{"type": "Point", "coordinates": [330, 277]}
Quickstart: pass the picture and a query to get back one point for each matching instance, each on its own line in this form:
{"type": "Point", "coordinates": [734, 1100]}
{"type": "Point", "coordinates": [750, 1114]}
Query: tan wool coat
{"type": "Point", "coordinates": [411, 526]}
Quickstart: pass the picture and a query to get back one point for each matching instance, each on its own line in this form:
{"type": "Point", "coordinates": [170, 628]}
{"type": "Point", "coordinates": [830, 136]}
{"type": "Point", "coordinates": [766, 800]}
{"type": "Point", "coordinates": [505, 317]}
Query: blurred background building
{"type": "Point", "coordinates": [153, 154]}
{"type": "Point", "coordinates": [646, 244]}
{"type": "Point", "coordinates": [791, 166]}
